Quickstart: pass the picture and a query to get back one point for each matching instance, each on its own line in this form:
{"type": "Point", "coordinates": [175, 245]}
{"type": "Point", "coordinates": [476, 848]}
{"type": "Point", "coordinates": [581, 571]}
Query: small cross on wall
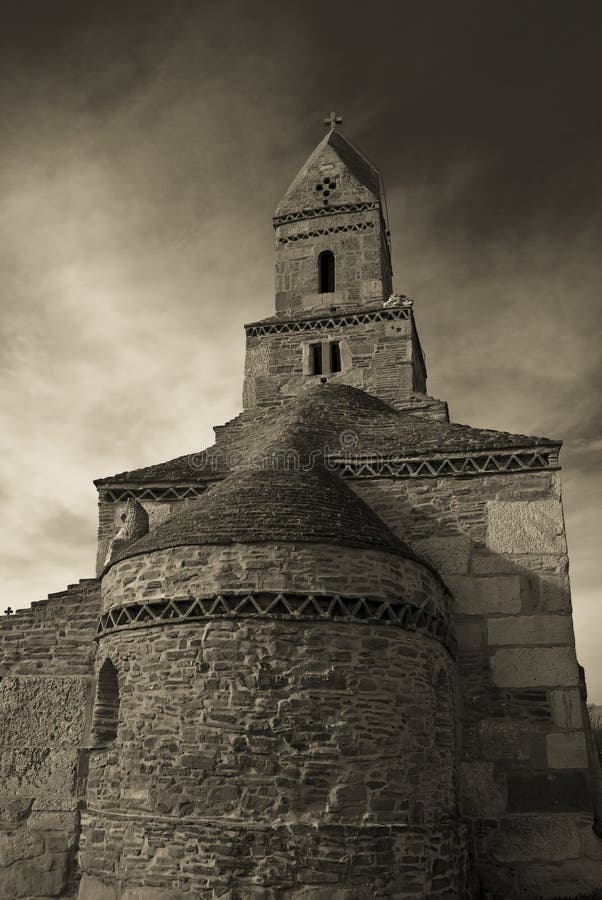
{"type": "Point", "coordinates": [333, 120]}
{"type": "Point", "coordinates": [8, 611]}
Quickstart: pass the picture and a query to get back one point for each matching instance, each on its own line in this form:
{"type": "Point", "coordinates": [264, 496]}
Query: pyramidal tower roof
{"type": "Point", "coordinates": [335, 156]}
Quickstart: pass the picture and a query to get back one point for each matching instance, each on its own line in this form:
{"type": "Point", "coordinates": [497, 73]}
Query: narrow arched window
{"type": "Point", "coordinates": [106, 708]}
{"type": "Point", "coordinates": [326, 272]}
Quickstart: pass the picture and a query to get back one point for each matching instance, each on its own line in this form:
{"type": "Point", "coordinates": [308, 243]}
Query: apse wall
{"type": "Point", "coordinates": [286, 728]}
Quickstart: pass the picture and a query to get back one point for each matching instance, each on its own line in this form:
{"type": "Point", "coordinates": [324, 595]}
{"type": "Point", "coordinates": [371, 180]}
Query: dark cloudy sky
{"type": "Point", "coordinates": [144, 147]}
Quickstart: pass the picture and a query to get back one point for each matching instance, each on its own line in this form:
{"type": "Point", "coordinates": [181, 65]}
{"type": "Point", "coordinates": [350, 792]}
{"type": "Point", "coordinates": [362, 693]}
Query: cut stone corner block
{"type": "Point", "coordinates": [525, 526]}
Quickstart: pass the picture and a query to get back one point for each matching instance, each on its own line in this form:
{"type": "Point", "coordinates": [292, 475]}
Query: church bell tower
{"type": "Point", "coordinates": [336, 318]}
{"type": "Point", "coordinates": [332, 247]}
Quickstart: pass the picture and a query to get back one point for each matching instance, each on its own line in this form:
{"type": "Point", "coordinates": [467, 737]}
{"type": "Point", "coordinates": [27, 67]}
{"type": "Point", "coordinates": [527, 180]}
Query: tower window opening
{"type": "Point", "coordinates": [335, 357]}
{"type": "Point", "coordinates": [316, 359]}
{"type": "Point", "coordinates": [325, 358]}
{"type": "Point", "coordinates": [106, 708]}
{"type": "Point", "coordinates": [326, 272]}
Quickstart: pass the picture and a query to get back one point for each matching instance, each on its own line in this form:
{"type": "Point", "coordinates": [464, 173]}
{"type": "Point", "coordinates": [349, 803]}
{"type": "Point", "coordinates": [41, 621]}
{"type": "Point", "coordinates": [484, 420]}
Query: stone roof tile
{"type": "Point", "coordinates": [276, 505]}
{"type": "Point", "coordinates": [328, 419]}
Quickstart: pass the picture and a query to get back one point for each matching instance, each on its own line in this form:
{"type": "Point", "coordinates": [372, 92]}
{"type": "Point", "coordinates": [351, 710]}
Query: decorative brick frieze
{"type": "Point", "coordinates": [437, 467]}
{"type": "Point", "coordinates": [374, 466]}
{"type": "Point", "coordinates": [118, 493]}
{"type": "Point", "coordinates": [320, 322]}
{"type": "Point", "coordinates": [321, 211]}
{"type": "Point", "coordinates": [270, 604]}
{"type": "Point", "coordinates": [302, 235]}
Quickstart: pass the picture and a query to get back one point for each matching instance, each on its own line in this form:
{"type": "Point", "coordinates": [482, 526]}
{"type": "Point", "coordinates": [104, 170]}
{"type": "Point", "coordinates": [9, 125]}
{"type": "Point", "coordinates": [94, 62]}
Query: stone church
{"type": "Point", "coordinates": [329, 658]}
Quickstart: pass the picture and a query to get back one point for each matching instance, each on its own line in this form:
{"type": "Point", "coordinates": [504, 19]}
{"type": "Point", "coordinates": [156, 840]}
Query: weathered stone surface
{"type": "Point", "coordinates": [470, 634]}
{"type": "Point", "coordinates": [566, 708]}
{"type": "Point", "coordinates": [38, 773]}
{"type": "Point", "coordinates": [199, 571]}
{"type": "Point", "coordinates": [46, 659]}
{"type": "Point", "coordinates": [570, 878]}
{"type": "Point", "coordinates": [591, 844]}
{"type": "Point", "coordinates": [483, 790]}
{"type": "Point", "coordinates": [550, 792]}
{"type": "Point", "coordinates": [554, 593]}
{"type": "Point", "coordinates": [91, 888]}
{"type": "Point", "coordinates": [44, 875]}
{"type": "Point", "coordinates": [16, 845]}
{"type": "Point", "coordinates": [530, 667]}
{"type": "Point", "coordinates": [481, 596]}
{"type": "Point", "coordinates": [506, 739]}
{"type": "Point", "coordinates": [528, 838]}
{"type": "Point", "coordinates": [14, 811]}
{"type": "Point", "coordinates": [291, 861]}
{"type": "Point", "coordinates": [530, 630]}
{"type": "Point", "coordinates": [567, 751]}
{"type": "Point", "coordinates": [519, 526]}
{"type": "Point", "coordinates": [449, 555]}
{"type": "Point", "coordinates": [151, 893]}
{"type": "Point", "coordinates": [54, 636]}
{"type": "Point", "coordinates": [313, 724]}
{"type": "Point", "coordinates": [61, 822]}
{"type": "Point", "coordinates": [41, 711]}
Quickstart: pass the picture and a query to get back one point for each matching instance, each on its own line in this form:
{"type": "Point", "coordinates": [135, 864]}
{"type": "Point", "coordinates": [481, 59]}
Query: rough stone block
{"type": "Point", "coordinates": [530, 630]}
{"type": "Point", "coordinates": [569, 878]}
{"type": "Point", "coordinates": [470, 635]}
{"type": "Point", "coordinates": [449, 555]}
{"type": "Point", "coordinates": [506, 739]}
{"type": "Point", "coordinates": [53, 821]}
{"type": "Point", "coordinates": [566, 708]}
{"type": "Point", "coordinates": [525, 838]}
{"type": "Point", "coordinates": [591, 845]}
{"type": "Point", "coordinates": [39, 773]}
{"type": "Point", "coordinates": [567, 751]}
{"type": "Point", "coordinates": [525, 526]}
{"type": "Point", "coordinates": [150, 893]}
{"type": "Point", "coordinates": [18, 845]}
{"type": "Point", "coordinates": [548, 792]}
{"type": "Point", "coordinates": [42, 876]}
{"type": "Point", "coordinates": [484, 562]}
{"type": "Point", "coordinates": [483, 790]}
{"type": "Point", "coordinates": [14, 811]}
{"type": "Point", "coordinates": [91, 888]}
{"type": "Point", "coordinates": [39, 711]}
{"type": "Point", "coordinates": [481, 596]}
{"type": "Point", "coordinates": [554, 593]}
{"type": "Point", "coordinates": [534, 667]}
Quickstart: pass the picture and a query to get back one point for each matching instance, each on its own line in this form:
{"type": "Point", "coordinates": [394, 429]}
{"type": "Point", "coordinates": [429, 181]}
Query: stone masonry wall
{"type": "Point", "coordinates": [276, 759]}
{"type": "Point", "coordinates": [499, 542]}
{"type": "Point", "coordinates": [270, 757]}
{"type": "Point", "coordinates": [46, 673]}
{"type": "Point", "coordinates": [382, 358]}
{"type": "Point", "coordinates": [362, 266]}
{"type": "Point", "coordinates": [182, 572]}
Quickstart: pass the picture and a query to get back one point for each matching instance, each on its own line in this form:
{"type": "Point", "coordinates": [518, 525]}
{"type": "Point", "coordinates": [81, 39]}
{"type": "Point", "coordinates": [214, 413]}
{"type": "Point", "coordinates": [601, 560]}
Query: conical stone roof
{"type": "Point", "coordinates": [274, 500]}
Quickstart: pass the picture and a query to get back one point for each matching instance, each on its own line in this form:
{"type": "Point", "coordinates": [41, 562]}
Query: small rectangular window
{"type": "Point", "coordinates": [316, 358]}
{"type": "Point", "coordinates": [335, 357]}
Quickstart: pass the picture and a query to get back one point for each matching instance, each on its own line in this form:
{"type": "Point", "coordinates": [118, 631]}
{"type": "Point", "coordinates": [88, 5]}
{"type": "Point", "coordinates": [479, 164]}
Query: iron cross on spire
{"type": "Point", "coordinates": [333, 120]}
